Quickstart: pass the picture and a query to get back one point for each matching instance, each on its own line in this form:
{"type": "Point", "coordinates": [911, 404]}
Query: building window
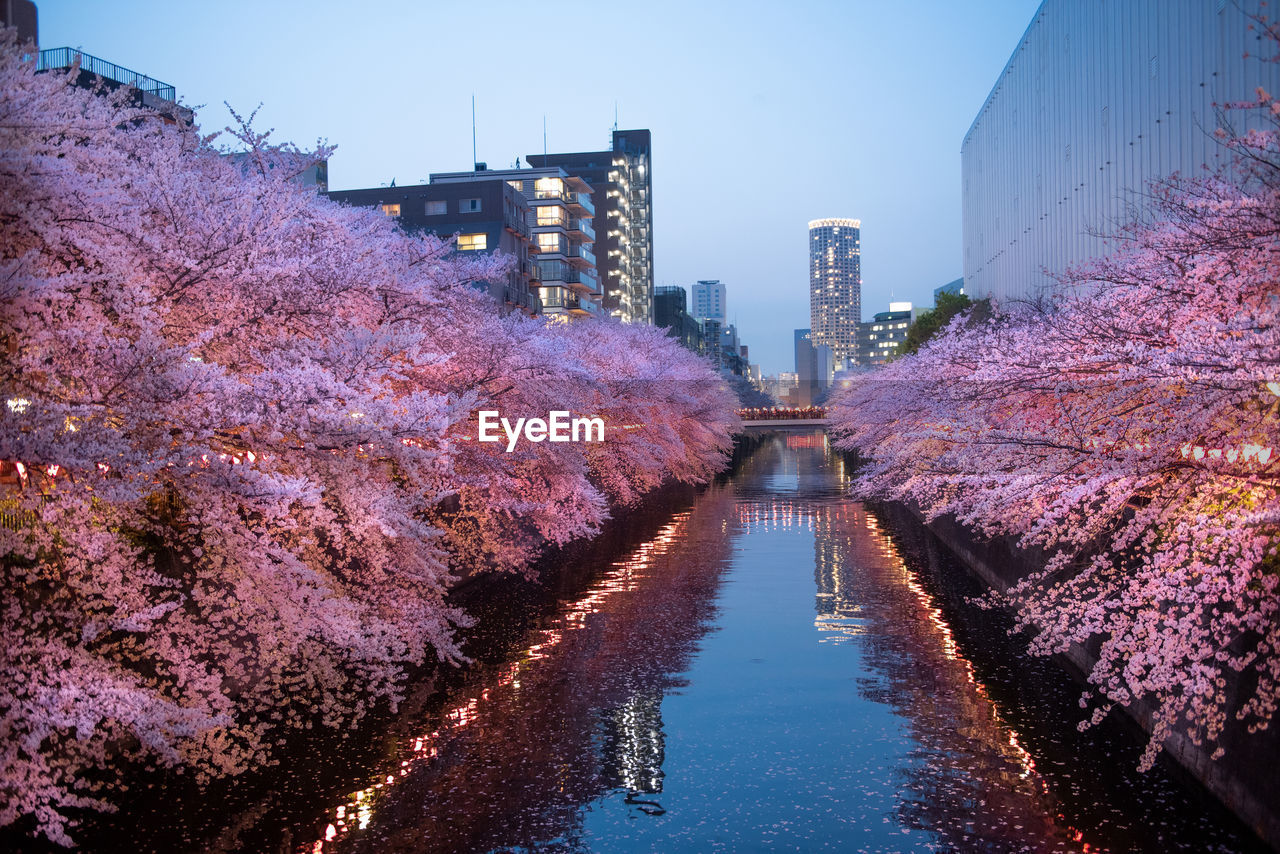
{"type": "Point", "coordinates": [549, 242]}
{"type": "Point", "coordinates": [548, 188]}
{"type": "Point", "coordinates": [473, 242]}
{"type": "Point", "coordinates": [437, 208]}
{"type": "Point", "coordinates": [390, 210]}
{"type": "Point", "coordinates": [550, 215]}
{"type": "Point", "coordinates": [468, 205]}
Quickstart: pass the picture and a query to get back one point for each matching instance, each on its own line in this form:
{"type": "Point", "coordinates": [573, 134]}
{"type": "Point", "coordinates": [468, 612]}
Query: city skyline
{"type": "Point", "coordinates": [733, 93]}
{"type": "Point", "coordinates": [339, 518]}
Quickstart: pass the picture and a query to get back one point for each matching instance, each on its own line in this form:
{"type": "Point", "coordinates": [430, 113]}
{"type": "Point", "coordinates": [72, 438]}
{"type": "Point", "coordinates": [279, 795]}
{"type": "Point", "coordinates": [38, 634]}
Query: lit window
{"type": "Point", "coordinates": [468, 205]}
{"type": "Point", "coordinates": [390, 210]}
{"type": "Point", "coordinates": [437, 208]}
{"type": "Point", "coordinates": [549, 242]}
{"type": "Point", "coordinates": [472, 242]}
{"type": "Point", "coordinates": [550, 215]}
{"type": "Point", "coordinates": [548, 188]}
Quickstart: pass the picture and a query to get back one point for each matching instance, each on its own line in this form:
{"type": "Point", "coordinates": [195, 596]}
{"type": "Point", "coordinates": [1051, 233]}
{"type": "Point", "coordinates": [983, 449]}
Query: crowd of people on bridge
{"type": "Point", "coordinates": [783, 413]}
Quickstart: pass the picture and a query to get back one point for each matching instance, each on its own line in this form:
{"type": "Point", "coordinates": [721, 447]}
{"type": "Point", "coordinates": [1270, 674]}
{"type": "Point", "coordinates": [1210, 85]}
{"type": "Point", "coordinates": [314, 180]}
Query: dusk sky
{"type": "Point", "coordinates": [764, 115]}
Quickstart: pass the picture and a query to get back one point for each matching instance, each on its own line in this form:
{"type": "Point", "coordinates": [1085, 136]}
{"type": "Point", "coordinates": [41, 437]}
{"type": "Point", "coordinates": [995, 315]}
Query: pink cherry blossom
{"type": "Point", "coordinates": [1128, 431]}
{"type": "Point", "coordinates": [238, 445]}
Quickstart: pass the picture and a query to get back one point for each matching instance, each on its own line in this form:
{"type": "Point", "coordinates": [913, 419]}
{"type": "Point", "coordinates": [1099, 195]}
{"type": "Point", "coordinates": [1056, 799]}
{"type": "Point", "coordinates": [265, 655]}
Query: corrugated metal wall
{"type": "Point", "coordinates": [1099, 98]}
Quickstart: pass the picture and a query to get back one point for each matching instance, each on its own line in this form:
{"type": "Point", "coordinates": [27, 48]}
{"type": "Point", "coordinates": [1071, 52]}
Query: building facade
{"type": "Point", "coordinates": [485, 212]}
{"type": "Point", "coordinates": [302, 169]}
{"type": "Point", "coordinates": [815, 367]}
{"type": "Point", "coordinates": [1098, 99]}
{"type": "Point", "coordinates": [835, 285]}
{"type": "Point", "coordinates": [22, 16]}
{"type": "Point", "coordinates": [709, 300]}
{"type": "Point", "coordinates": [621, 179]}
{"type": "Point", "coordinates": [561, 222]}
{"type": "Point", "coordinates": [954, 287]}
{"type": "Point", "coordinates": [878, 338]}
{"type": "Point", "coordinates": [670, 311]}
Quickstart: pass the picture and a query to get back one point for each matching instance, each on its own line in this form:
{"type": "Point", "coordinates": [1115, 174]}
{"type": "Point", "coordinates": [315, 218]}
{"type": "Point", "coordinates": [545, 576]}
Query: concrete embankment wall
{"type": "Point", "coordinates": [1246, 779]}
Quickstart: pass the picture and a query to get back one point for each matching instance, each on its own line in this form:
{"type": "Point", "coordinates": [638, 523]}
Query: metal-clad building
{"type": "Point", "coordinates": [1099, 98]}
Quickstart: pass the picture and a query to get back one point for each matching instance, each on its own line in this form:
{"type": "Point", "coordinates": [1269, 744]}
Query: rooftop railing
{"type": "Point", "coordinates": [65, 57]}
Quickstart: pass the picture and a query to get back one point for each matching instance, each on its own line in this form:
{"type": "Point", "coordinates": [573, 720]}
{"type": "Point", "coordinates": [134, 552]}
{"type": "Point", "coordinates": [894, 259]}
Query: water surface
{"type": "Point", "coordinates": [775, 668]}
{"type": "Point", "coordinates": [766, 665]}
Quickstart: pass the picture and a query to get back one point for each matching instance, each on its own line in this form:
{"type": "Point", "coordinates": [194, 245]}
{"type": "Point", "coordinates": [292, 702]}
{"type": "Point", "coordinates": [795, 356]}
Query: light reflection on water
{"type": "Point", "coordinates": [768, 670]}
{"type": "Point", "coordinates": [775, 666]}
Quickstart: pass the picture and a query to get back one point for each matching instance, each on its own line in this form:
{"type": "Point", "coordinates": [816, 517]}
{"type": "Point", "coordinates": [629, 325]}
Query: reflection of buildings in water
{"type": "Point", "coordinates": [793, 463]}
{"type": "Point", "coordinates": [830, 553]}
{"type": "Point", "coordinates": [635, 744]}
{"type": "Point", "coordinates": [970, 781]}
{"type": "Point", "coordinates": [519, 751]}
{"type": "Point", "coordinates": [968, 778]}
{"type": "Point", "coordinates": [807, 440]}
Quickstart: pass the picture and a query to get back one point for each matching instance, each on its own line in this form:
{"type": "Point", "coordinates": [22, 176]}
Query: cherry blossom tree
{"type": "Point", "coordinates": [238, 467]}
{"type": "Point", "coordinates": [1127, 427]}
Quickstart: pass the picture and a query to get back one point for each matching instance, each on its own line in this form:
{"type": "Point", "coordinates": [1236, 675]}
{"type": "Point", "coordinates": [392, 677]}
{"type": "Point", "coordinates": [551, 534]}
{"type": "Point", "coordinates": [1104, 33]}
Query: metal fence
{"type": "Point", "coordinates": [65, 57]}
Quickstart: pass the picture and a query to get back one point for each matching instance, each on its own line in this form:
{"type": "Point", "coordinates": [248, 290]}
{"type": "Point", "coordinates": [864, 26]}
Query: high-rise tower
{"type": "Point", "coordinates": [835, 285]}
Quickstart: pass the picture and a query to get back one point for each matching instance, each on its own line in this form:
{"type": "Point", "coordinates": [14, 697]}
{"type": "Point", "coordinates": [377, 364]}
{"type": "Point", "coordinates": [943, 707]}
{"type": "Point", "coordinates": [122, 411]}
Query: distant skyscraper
{"type": "Point", "coordinates": [814, 368]}
{"type": "Point", "coordinates": [709, 300]}
{"type": "Point", "coordinates": [669, 312]}
{"type": "Point", "coordinates": [835, 285]}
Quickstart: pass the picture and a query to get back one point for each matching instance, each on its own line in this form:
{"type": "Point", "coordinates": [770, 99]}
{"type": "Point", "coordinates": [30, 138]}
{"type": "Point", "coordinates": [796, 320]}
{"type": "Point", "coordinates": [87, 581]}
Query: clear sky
{"type": "Point", "coordinates": [764, 115]}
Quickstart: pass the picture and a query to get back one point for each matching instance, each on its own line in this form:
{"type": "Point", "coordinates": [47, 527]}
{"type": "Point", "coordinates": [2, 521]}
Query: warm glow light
{"type": "Point", "coordinates": [623, 578]}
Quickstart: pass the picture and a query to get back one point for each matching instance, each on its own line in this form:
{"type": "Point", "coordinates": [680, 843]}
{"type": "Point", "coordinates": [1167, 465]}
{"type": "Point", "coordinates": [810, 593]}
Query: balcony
{"type": "Point", "coordinates": [580, 204]}
{"type": "Point", "coordinates": [581, 229]}
{"type": "Point", "coordinates": [584, 307]}
{"type": "Point", "coordinates": [547, 223]}
{"type": "Point", "coordinates": [553, 272]}
{"type": "Point", "coordinates": [559, 193]}
{"type": "Point", "coordinates": [561, 301]}
{"type": "Point", "coordinates": [581, 257]}
{"type": "Point", "coordinates": [557, 273]}
{"type": "Point", "coordinates": [526, 302]}
{"type": "Point", "coordinates": [518, 226]}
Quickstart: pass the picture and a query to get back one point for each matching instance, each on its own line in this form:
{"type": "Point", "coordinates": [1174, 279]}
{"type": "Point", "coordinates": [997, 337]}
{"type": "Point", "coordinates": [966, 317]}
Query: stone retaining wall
{"type": "Point", "coordinates": [1246, 779]}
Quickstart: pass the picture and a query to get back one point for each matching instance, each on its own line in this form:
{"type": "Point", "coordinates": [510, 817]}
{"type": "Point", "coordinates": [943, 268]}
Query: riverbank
{"type": "Point", "coordinates": [1244, 779]}
{"type": "Point", "coordinates": [757, 663]}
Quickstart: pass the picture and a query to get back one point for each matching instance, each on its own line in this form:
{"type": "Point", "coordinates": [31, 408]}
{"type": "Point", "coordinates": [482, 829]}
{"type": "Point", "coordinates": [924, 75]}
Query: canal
{"type": "Point", "coordinates": [767, 665]}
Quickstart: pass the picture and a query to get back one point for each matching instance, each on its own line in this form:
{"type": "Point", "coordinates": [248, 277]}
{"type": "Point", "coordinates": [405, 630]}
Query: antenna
{"type": "Point", "coordinates": [473, 130]}
{"type": "Point", "coordinates": [544, 139]}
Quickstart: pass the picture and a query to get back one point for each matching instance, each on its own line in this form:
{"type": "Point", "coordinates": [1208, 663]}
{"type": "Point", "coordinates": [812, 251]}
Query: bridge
{"type": "Point", "coordinates": [783, 418]}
